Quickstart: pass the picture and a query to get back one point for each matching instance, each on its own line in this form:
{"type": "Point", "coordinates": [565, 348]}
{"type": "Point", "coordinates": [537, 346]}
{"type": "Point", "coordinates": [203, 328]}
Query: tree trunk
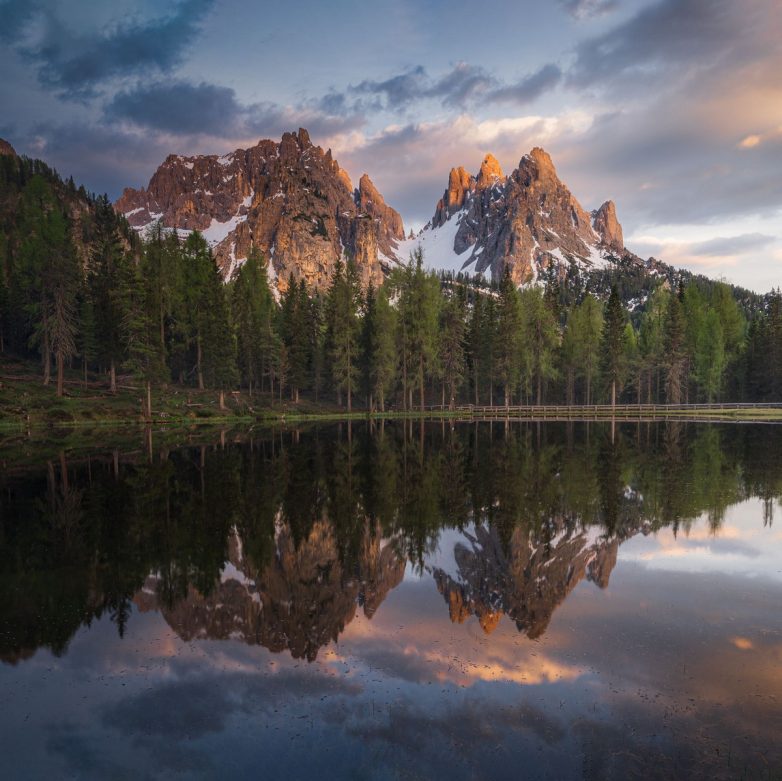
{"type": "Point", "coordinates": [613, 394]}
{"type": "Point", "coordinates": [149, 400]}
{"type": "Point", "coordinates": [198, 363]}
{"type": "Point", "coordinates": [60, 372]}
{"type": "Point", "coordinates": [540, 389]}
{"type": "Point", "coordinates": [47, 369]}
{"type": "Point", "coordinates": [222, 399]}
{"type": "Point", "coordinates": [112, 377]}
{"type": "Point", "coordinates": [421, 381]}
{"type": "Point", "coordinates": [404, 378]}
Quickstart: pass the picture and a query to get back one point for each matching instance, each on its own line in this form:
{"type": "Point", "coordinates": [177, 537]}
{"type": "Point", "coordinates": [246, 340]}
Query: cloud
{"type": "Point", "coordinates": [660, 39]}
{"type": "Point", "coordinates": [73, 64]}
{"type": "Point", "coordinates": [410, 162]}
{"type": "Point", "coordinates": [529, 88]}
{"type": "Point", "coordinates": [732, 245]}
{"type": "Point", "coordinates": [585, 9]}
{"type": "Point", "coordinates": [102, 158]}
{"type": "Point", "coordinates": [398, 91]}
{"type": "Point", "coordinates": [185, 109]}
{"type": "Point", "coordinates": [464, 85]}
{"type": "Point", "coordinates": [15, 15]}
{"type": "Point", "coordinates": [179, 107]}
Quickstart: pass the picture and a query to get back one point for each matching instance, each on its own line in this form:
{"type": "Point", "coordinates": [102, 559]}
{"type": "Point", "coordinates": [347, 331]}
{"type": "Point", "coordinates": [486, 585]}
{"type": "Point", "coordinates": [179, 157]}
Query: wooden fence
{"type": "Point", "coordinates": [592, 411]}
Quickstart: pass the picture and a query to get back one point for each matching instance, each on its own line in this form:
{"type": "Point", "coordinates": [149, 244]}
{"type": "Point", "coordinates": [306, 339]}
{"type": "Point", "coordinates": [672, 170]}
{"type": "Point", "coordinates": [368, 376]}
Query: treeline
{"type": "Point", "coordinates": [88, 294]}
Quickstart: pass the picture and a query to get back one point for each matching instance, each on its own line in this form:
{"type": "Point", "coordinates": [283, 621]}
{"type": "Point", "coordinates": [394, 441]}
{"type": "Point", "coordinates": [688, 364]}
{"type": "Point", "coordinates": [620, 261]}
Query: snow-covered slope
{"type": "Point", "coordinates": [526, 222]}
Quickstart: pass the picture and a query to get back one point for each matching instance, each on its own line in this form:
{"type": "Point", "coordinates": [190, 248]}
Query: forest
{"type": "Point", "coordinates": [81, 292]}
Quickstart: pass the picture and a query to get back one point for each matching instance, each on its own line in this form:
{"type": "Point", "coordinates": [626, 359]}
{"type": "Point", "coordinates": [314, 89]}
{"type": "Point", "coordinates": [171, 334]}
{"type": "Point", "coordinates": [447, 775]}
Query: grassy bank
{"type": "Point", "coordinates": [26, 404]}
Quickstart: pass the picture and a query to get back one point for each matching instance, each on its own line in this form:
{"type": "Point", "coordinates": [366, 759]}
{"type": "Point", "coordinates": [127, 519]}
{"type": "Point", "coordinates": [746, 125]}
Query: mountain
{"type": "Point", "coordinates": [290, 199]}
{"type": "Point", "coordinates": [294, 202]}
{"type": "Point", "coordinates": [527, 221]}
{"type": "Point", "coordinates": [30, 188]}
{"type": "Point", "coordinates": [300, 601]}
{"type": "Point", "coordinates": [526, 578]}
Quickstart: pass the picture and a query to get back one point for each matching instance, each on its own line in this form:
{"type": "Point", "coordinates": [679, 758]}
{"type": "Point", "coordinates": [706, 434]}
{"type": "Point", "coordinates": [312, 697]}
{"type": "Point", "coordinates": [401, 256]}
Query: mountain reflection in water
{"type": "Point", "coordinates": [464, 594]}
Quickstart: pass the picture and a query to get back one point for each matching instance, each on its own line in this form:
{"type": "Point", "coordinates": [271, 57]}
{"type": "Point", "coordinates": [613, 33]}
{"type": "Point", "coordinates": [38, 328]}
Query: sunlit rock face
{"type": "Point", "coordinates": [6, 148]}
{"type": "Point", "coordinates": [300, 601]}
{"type": "Point", "coordinates": [606, 224]}
{"type": "Point", "coordinates": [527, 578]}
{"type": "Point", "coordinates": [526, 222]}
{"type": "Point", "coordinates": [290, 199]}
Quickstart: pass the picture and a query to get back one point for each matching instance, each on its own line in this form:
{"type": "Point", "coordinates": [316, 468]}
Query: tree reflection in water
{"type": "Point", "coordinates": [277, 538]}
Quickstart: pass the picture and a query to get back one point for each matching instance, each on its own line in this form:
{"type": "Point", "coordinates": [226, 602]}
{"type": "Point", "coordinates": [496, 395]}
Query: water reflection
{"type": "Point", "coordinates": [426, 575]}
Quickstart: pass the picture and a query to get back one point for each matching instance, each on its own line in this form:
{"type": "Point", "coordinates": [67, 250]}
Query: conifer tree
{"type": "Point", "coordinates": [343, 333]}
{"type": "Point", "coordinates": [675, 350]}
{"type": "Point", "coordinates": [612, 344]}
{"type": "Point", "coordinates": [419, 304]}
{"type": "Point", "coordinates": [452, 335]}
{"type": "Point", "coordinates": [541, 339]}
{"type": "Point", "coordinates": [581, 346]}
{"type": "Point", "coordinates": [508, 347]}
{"type": "Point", "coordinates": [475, 352]}
{"type": "Point", "coordinates": [109, 278]}
{"type": "Point", "coordinates": [251, 304]}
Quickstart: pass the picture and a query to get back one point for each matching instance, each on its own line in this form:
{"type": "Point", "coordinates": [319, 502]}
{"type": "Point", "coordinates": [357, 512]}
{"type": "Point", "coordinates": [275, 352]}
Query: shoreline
{"type": "Point", "coordinates": [551, 413]}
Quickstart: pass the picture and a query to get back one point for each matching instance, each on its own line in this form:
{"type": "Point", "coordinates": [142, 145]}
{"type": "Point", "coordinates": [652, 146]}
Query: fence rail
{"type": "Point", "coordinates": [596, 410]}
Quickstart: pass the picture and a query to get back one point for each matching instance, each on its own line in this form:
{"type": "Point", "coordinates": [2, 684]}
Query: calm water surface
{"type": "Point", "coordinates": [459, 601]}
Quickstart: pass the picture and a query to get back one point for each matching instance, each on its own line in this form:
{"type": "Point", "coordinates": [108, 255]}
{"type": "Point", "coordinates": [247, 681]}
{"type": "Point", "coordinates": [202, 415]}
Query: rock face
{"type": "Point", "coordinates": [301, 601]}
{"type": "Point", "coordinates": [6, 148]}
{"type": "Point", "coordinates": [526, 580]}
{"type": "Point", "coordinates": [290, 199]}
{"type": "Point", "coordinates": [526, 222]}
{"type": "Point", "coordinates": [607, 226]}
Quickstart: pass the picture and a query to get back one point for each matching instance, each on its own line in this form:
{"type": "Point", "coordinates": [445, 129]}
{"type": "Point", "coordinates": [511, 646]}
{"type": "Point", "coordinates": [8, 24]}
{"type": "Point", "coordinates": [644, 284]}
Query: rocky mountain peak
{"type": "Point", "coordinates": [6, 148]}
{"type": "Point", "coordinates": [543, 164]}
{"type": "Point", "coordinates": [289, 198]}
{"type": "Point", "coordinates": [490, 172]}
{"type": "Point", "coordinates": [607, 226]}
{"type": "Point", "coordinates": [460, 185]}
{"type": "Point", "coordinates": [528, 222]}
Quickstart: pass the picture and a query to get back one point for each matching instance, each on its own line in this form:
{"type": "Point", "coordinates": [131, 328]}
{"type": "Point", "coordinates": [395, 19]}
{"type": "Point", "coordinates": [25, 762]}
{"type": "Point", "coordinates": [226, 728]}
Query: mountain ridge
{"type": "Point", "coordinates": [290, 199]}
{"type": "Point", "coordinates": [528, 222]}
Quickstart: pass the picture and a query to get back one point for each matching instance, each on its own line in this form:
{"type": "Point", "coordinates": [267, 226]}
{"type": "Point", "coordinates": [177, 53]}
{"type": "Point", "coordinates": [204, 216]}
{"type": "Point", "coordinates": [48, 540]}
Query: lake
{"type": "Point", "coordinates": [397, 600]}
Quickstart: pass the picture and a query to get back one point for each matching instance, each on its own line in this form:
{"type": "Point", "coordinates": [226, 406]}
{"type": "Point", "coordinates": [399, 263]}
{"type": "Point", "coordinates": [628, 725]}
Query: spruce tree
{"type": "Point", "coordinates": [452, 335]}
{"type": "Point", "coordinates": [613, 343]}
{"type": "Point", "coordinates": [675, 350]}
{"type": "Point", "coordinates": [508, 338]}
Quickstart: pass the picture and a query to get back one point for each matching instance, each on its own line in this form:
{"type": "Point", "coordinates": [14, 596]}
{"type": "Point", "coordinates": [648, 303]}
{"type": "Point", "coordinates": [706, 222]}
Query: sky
{"type": "Point", "coordinates": [671, 108]}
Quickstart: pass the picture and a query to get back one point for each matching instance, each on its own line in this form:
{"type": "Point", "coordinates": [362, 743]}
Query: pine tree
{"type": "Point", "coordinates": [475, 351]}
{"type": "Point", "coordinates": [297, 322]}
{"type": "Point", "coordinates": [581, 346]}
{"type": "Point", "coordinates": [651, 341]}
{"type": "Point", "coordinates": [343, 331]}
{"type": "Point", "coordinates": [540, 341]}
{"type": "Point", "coordinates": [613, 343]}
{"type": "Point", "coordinates": [108, 280]}
{"type": "Point", "coordinates": [508, 347]}
{"type": "Point", "coordinates": [452, 335]}
{"type": "Point", "coordinates": [250, 296]}
{"type": "Point", "coordinates": [675, 350]}
{"type": "Point", "coordinates": [419, 306]}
